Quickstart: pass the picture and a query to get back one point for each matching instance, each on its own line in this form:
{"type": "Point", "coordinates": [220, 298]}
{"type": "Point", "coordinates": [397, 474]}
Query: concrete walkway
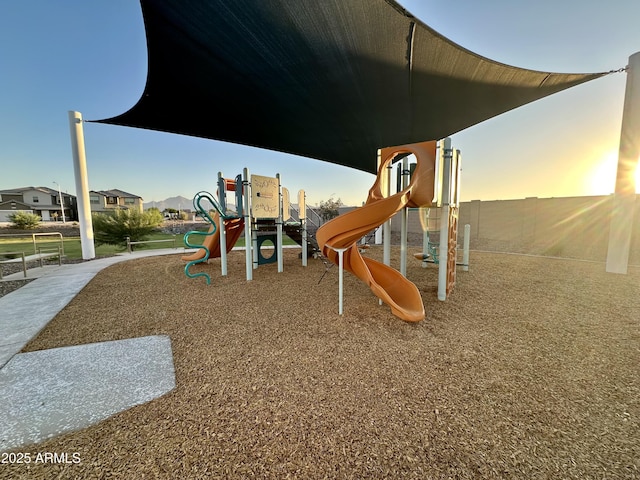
{"type": "Point", "coordinates": [46, 393]}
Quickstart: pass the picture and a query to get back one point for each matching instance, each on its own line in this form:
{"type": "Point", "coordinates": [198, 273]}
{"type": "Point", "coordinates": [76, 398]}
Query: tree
{"type": "Point", "coordinates": [330, 208]}
{"type": "Point", "coordinates": [114, 228]}
{"type": "Point", "coordinates": [24, 220]}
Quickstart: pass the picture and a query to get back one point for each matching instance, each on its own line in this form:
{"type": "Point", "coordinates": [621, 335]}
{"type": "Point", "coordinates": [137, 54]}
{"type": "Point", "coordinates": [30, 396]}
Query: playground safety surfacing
{"type": "Point", "coordinates": [519, 374]}
{"type": "Point", "coordinates": [49, 392]}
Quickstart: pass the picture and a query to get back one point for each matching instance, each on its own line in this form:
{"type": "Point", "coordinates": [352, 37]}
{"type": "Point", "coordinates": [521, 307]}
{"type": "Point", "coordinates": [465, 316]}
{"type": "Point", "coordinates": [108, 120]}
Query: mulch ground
{"type": "Point", "coordinates": [529, 370]}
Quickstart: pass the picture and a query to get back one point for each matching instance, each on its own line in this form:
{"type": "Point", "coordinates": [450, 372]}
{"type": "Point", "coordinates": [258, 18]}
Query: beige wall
{"type": "Point", "coordinates": [575, 227]}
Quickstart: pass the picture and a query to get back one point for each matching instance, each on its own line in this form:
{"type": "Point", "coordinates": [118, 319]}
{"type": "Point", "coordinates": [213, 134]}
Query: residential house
{"type": "Point", "coordinates": [42, 201]}
{"type": "Point", "coordinates": [109, 200]}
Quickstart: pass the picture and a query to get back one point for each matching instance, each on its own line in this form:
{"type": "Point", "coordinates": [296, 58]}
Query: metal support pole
{"type": "Point", "coordinates": [386, 228]}
{"type": "Point", "coordinates": [279, 249]}
{"type": "Point", "coordinates": [246, 214]}
{"type": "Point", "coordinates": [340, 278]}
{"type": "Point", "coordinates": [404, 219]}
{"type": "Point", "coordinates": [222, 192]}
{"type": "Point", "coordinates": [465, 247]}
{"type": "Point", "coordinates": [425, 236]}
{"type": "Point", "coordinates": [82, 185]}
{"type": "Point", "coordinates": [302, 215]}
{"type": "Point", "coordinates": [624, 199]}
{"type": "Point", "coordinates": [444, 221]}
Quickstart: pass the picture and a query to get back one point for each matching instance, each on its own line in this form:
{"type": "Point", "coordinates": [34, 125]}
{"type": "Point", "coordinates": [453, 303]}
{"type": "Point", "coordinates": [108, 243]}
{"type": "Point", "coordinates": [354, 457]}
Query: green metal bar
{"type": "Point", "coordinates": [197, 199]}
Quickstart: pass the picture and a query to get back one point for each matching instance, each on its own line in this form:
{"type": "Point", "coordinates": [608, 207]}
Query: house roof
{"type": "Point", "coordinates": [114, 192]}
{"type": "Point", "coordinates": [332, 80]}
{"type": "Point", "coordinates": [14, 202]}
{"type": "Point", "coordinates": [21, 190]}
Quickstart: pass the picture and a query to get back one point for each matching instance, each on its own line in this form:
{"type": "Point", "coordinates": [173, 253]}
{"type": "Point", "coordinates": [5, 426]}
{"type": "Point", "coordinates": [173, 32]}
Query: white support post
{"type": "Point", "coordinates": [302, 216]}
{"type": "Point", "coordinates": [279, 249]}
{"type": "Point", "coordinates": [444, 221]}
{"type": "Point", "coordinates": [341, 281]}
{"type": "Point", "coordinates": [222, 192]}
{"type": "Point", "coordinates": [425, 236]}
{"type": "Point", "coordinates": [82, 185]}
{"type": "Point", "coordinates": [404, 219]}
{"type": "Point", "coordinates": [465, 247]}
{"type": "Point", "coordinates": [624, 199]}
{"type": "Point", "coordinates": [340, 278]}
{"type": "Point", "coordinates": [386, 229]}
{"type": "Point", "coordinates": [378, 236]}
{"type": "Point", "coordinates": [255, 249]}
{"type": "Point", "coordinates": [386, 226]}
{"type": "Point", "coordinates": [246, 214]}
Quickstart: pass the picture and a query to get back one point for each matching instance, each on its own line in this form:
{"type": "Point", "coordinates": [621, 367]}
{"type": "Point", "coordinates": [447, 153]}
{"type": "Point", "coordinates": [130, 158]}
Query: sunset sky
{"type": "Point", "coordinates": [91, 57]}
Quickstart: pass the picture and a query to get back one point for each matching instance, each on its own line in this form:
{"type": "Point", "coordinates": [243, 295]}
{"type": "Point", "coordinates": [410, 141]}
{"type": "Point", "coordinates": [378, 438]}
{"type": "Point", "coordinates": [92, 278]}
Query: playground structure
{"type": "Point", "coordinates": [262, 207]}
{"type": "Point", "coordinates": [434, 181]}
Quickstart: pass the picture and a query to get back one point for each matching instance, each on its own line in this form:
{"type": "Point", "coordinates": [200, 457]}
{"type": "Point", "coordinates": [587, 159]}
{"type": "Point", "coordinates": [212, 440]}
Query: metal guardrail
{"type": "Point", "coordinates": [130, 243]}
{"type": "Point", "coordinates": [24, 262]}
{"type": "Point", "coordinates": [34, 235]}
{"type": "Point", "coordinates": [38, 256]}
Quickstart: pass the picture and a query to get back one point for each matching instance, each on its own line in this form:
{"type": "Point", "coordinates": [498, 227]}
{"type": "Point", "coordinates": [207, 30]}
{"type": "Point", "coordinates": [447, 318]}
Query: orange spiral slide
{"type": "Point", "coordinates": [344, 231]}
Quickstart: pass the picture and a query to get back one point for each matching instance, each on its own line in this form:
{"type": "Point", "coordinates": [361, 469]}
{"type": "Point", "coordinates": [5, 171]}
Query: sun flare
{"type": "Point", "coordinates": [603, 177]}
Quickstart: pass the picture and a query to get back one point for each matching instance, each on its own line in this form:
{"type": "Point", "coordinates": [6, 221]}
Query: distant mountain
{"type": "Point", "coordinates": [177, 203]}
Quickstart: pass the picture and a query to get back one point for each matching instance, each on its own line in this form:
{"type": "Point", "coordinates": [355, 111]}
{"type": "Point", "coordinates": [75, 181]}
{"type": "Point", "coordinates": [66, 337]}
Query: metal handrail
{"type": "Point", "coordinates": [129, 242]}
{"type": "Point", "coordinates": [24, 262]}
{"type": "Point", "coordinates": [33, 237]}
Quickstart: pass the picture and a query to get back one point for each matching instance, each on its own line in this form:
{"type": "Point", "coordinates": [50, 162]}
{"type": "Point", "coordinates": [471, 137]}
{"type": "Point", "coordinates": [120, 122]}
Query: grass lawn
{"type": "Point", "coordinates": [73, 249]}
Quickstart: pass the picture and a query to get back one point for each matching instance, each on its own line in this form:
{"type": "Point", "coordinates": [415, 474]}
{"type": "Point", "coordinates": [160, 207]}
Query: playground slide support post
{"type": "Point", "coordinates": [404, 219]}
{"type": "Point", "coordinates": [223, 234]}
{"type": "Point", "coordinates": [279, 226]}
{"type": "Point", "coordinates": [386, 229]}
{"type": "Point", "coordinates": [82, 185]}
{"type": "Point", "coordinates": [378, 236]}
{"type": "Point", "coordinates": [340, 278]}
{"type": "Point", "coordinates": [247, 224]}
{"type": "Point", "coordinates": [425, 235]}
{"type": "Point", "coordinates": [444, 220]}
{"type": "Point", "coordinates": [302, 216]}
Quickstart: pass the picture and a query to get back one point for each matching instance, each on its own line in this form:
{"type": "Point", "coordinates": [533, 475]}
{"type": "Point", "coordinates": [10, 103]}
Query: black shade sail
{"type": "Point", "coordinates": [328, 79]}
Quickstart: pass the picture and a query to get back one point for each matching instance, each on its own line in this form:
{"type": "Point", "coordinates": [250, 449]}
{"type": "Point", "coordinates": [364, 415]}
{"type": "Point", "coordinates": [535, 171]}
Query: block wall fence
{"type": "Point", "coordinates": [575, 227]}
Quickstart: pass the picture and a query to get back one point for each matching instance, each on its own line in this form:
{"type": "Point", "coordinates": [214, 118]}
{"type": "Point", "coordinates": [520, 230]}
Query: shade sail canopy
{"type": "Point", "coordinates": [333, 80]}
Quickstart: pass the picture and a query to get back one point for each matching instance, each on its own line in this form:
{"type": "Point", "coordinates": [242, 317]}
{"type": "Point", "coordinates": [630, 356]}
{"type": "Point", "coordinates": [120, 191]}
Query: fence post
{"type": "Point", "coordinates": [128, 244]}
{"type": "Point", "coordinates": [465, 248]}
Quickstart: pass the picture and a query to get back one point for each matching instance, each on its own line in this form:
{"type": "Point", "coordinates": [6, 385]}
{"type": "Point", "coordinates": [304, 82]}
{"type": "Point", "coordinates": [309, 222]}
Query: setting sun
{"type": "Point", "coordinates": [603, 177]}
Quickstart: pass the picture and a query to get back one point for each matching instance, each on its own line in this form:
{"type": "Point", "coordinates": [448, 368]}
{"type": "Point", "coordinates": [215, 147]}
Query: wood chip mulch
{"type": "Point", "coordinates": [530, 370]}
